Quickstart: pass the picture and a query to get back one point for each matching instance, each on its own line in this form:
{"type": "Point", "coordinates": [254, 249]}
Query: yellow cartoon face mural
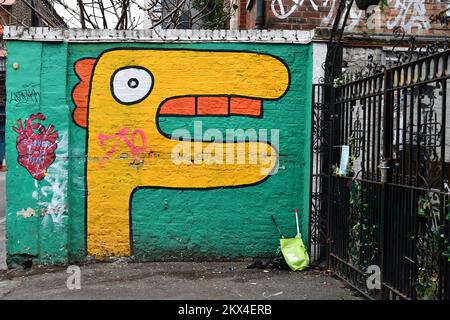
{"type": "Point", "coordinates": [119, 100]}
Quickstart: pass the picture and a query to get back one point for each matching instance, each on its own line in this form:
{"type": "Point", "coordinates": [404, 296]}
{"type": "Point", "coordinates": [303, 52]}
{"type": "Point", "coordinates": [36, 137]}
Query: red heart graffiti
{"type": "Point", "coordinates": [36, 146]}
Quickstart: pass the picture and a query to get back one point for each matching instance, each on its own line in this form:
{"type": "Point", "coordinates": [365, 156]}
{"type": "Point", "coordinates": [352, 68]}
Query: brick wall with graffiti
{"type": "Point", "coordinates": [159, 151]}
{"type": "Point", "coordinates": [427, 18]}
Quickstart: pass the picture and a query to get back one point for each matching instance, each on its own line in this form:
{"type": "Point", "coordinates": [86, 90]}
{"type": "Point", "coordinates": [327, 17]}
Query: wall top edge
{"type": "Point", "coordinates": [165, 35]}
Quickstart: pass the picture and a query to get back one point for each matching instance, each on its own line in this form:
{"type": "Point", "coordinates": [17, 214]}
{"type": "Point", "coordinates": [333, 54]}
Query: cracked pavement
{"type": "Point", "coordinates": [174, 280]}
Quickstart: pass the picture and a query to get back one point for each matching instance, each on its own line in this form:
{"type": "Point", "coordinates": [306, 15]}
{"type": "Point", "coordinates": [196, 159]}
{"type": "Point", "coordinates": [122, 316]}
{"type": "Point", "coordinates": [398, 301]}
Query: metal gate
{"type": "Point", "coordinates": [386, 205]}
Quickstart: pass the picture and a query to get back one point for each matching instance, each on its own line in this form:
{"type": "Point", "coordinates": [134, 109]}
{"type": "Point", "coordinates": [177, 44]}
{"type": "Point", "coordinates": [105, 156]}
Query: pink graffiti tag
{"type": "Point", "coordinates": [36, 146]}
{"type": "Point", "coordinates": [122, 136]}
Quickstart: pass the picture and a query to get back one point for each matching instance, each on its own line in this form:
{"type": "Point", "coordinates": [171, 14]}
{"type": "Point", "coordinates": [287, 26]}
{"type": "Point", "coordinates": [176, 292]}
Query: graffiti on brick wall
{"type": "Point", "coordinates": [28, 95]}
{"type": "Point", "coordinates": [410, 14]}
{"type": "Point", "coordinates": [36, 145]}
{"type": "Point", "coordinates": [442, 17]}
{"type": "Point", "coordinates": [136, 143]}
{"type": "Point", "coordinates": [354, 16]}
{"type": "Point", "coordinates": [120, 99]}
{"type": "Point", "coordinates": [283, 9]}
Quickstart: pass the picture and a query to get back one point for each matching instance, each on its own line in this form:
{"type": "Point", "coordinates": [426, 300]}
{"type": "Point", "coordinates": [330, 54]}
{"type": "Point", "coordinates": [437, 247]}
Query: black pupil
{"type": "Point", "coordinates": [133, 83]}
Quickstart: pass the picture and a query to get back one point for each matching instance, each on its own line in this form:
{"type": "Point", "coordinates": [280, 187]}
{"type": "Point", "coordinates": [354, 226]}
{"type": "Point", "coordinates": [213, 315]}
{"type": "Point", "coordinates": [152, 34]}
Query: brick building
{"type": "Point", "coordinates": [426, 18]}
{"type": "Point", "coordinates": [21, 13]}
{"type": "Point", "coordinates": [27, 13]}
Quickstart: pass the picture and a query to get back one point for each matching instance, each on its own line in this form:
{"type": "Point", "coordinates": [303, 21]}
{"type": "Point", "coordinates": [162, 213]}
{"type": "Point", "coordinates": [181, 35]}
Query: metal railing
{"type": "Point", "coordinates": [389, 206]}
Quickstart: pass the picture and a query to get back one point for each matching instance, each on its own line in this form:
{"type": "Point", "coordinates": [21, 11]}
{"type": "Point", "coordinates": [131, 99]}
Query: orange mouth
{"type": "Point", "coordinates": [211, 106]}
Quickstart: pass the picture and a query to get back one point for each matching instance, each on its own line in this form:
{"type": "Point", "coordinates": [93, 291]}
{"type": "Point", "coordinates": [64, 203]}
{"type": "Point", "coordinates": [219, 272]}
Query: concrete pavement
{"type": "Point", "coordinates": [182, 280]}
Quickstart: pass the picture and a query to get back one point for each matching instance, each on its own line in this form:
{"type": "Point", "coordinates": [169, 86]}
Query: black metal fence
{"type": "Point", "coordinates": [387, 207]}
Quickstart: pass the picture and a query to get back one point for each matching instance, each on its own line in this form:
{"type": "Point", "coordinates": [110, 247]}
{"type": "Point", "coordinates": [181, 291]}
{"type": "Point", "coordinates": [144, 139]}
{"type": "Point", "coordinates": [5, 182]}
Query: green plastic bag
{"type": "Point", "coordinates": [295, 253]}
{"type": "Point", "coordinates": [293, 250]}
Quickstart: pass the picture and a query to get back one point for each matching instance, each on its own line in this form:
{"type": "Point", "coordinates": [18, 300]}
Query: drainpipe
{"type": "Point", "coordinates": [259, 21]}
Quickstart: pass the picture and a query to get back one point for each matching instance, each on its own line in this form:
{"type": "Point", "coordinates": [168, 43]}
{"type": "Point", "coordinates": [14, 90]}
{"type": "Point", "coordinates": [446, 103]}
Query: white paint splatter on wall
{"type": "Point", "coordinates": [29, 212]}
{"type": "Point", "coordinates": [50, 193]}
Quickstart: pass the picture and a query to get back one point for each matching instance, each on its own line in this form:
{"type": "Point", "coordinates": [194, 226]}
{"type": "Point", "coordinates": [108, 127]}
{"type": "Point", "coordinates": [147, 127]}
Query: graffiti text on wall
{"type": "Point", "coordinates": [27, 96]}
{"type": "Point", "coordinates": [282, 9]}
{"type": "Point", "coordinates": [123, 136]}
{"type": "Point", "coordinates": [36, 145]}
{"type": "Point", "coordinates": [279, 7]}
{"type": "Point", "coordinates": [443, 17]}
{"type": "Point", "coordinates": [410, 14]}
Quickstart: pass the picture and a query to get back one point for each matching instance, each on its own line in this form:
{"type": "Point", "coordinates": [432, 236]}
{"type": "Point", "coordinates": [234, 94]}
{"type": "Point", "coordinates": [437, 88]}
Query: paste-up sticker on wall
{"type": "Point", "coordinates": [36, 146]}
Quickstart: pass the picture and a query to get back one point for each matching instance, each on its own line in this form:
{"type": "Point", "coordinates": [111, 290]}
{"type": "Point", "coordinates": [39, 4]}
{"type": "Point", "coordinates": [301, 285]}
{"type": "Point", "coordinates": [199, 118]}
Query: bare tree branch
{"type": "Point", "coordinates": [130, 14]}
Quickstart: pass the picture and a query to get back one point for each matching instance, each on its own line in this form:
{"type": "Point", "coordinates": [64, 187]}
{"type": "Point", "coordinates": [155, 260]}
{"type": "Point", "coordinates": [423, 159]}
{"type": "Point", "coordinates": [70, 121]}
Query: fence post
{"type": "Point", "coordinates": [327, 170]}
{"type": "Point", "coordinates": [386, 159]}
{"type": "Point", "coordinates": [387, 118]}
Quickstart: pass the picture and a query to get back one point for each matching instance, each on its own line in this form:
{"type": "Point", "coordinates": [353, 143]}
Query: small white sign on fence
{"type": "Point", "coordinates": [345, 155]}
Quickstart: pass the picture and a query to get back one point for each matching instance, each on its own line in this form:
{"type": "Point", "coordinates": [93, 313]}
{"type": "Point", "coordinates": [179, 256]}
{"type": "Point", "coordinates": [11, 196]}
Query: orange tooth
{"type": "Point", "coordinates": [245, 107]}
{"type": "Point", "coordinates": [179, 106]}
{"type": "Point", "coordinates": [212, 106]}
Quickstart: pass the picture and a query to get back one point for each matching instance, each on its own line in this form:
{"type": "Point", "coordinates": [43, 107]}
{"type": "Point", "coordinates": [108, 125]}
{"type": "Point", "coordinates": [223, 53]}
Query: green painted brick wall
{"type": "Point", "coordinates": [166, 224]}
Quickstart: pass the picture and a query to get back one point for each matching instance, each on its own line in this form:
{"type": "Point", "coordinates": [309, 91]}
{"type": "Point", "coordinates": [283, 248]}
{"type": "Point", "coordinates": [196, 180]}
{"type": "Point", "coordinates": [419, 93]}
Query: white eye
{"type": "Point", "coordinates": [131, 84]}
